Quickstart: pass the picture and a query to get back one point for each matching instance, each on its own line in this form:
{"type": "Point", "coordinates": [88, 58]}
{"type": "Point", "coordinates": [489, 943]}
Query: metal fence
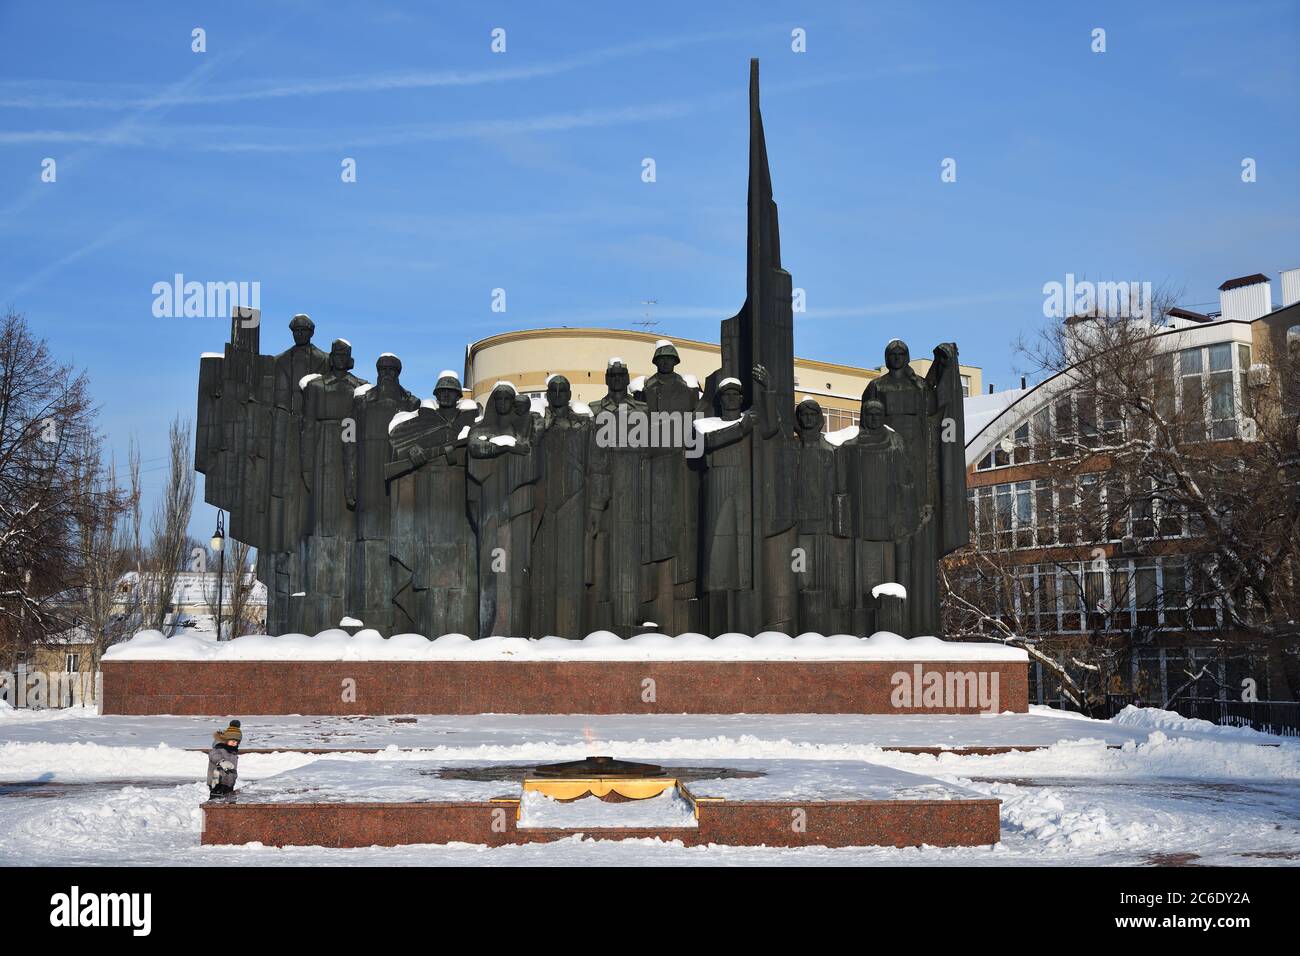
{"type": "Point", "coordinates": [1281, 717]}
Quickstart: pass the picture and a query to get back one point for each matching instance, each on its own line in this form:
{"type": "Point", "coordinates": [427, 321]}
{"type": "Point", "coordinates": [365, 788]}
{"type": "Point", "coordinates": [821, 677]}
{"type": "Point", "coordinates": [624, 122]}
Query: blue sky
{"type": "Point", "coordinates": [522, 170]}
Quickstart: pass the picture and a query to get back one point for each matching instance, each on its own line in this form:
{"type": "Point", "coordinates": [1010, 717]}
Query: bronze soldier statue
{"type": "Point", "coordinates": [672, 501]}
{"type": "Point", "coordinates": [616, 518]}
{"type": "Point", "coordinates": [287, 514]}
{"type": "Point", "coordinates": [927, 414]}
{"type": "Point", "coordinates": [331, 523]}
{"type": "Point", "coordinates": [884, 510]}
{"type": "Point", "coordinates": [824, 562]}
{"type": "Point", "coordinates": [434, 560]}
{"type": "Point", "coordinates": [366, 457]}
{"type": "Point", "coordinates": [559, 548]}
{"type": "Point", "coordinates": [732, 567]}
{"type": "Point", "coordinates": [500, 494]}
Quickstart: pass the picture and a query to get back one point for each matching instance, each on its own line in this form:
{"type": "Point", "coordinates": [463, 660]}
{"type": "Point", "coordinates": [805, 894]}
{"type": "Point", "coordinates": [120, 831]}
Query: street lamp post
{"type": "Point", "coordinates": [218, 545]}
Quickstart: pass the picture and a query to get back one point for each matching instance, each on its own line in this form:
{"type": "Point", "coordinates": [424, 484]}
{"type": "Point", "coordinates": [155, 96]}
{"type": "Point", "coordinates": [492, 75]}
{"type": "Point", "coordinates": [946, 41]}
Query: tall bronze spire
{"type": "Point", "coordinates": [762, 332]}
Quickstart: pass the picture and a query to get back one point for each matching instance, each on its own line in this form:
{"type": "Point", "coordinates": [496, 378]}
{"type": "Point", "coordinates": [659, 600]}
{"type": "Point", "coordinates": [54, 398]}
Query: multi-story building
{"type": "Point", "coordinates": [1079, 567]}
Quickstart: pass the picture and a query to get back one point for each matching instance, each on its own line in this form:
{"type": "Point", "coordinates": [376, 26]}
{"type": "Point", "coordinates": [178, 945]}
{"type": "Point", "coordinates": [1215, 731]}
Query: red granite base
{"type": "Point", "coordinates": [734, 823]}
{"type": "Point", "coordinates": [377, 688]}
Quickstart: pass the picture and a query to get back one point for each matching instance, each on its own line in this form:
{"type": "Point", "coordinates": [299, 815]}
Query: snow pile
{"type": "Point", "coordinates": [669, 809]}
{"type": "Point", "coordinates": [1157, 756]}
{"type": "Point", "coordinates": [1153, 718]}
{"type": "Point", "coordinates": [127, 816]}
{"type": "Point", "coordinates": [367, 645]}
{"type": "Point", "coordinates": [1043, 815]}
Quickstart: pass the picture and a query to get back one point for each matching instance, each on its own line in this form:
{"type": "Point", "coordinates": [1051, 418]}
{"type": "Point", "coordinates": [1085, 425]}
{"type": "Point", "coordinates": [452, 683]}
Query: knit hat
{"type": "Point", "coordinates": [231, 735]}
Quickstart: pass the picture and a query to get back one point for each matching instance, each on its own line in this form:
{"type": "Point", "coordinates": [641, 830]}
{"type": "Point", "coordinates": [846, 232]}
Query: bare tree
{"type": "Point", "coordinates": [47, 441]}
{"type": "Point", "coordinates": [1144, 456]}
{"type": "Point", "coordinates": [170, 534]}
{"type": "Point", "coordinates": [108, 607]}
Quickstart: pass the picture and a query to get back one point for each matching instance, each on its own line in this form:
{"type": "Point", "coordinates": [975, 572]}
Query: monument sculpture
{"type": "Point", "coordinates": [618, 512]}
{"type": "Point", "coordinates": [331, 525]}
{"type": "Point", "coordinates": [373, 408]}
{"type": "Point", "coordinates": [287, 512]}
{"type": "Point", "coordinates": [432, 549]}
{"type": "Point", "coordinates": [559, 546]}
{"type": "Point", "coordinates": [926, 413]}
{"type": "Point", "coordinates": [672, 504]}
{"type": "Point", "coordinates": [825, 559]}
{"type": "Point", "coordinates": [438, 517]}
{"type": "Point", "coordinates": [500, 499]}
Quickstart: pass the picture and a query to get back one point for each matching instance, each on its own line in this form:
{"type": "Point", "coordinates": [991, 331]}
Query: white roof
{"type": "Point", "coordinates": [197, 588]}
{"type": "Point", "coordinates": [984, 413]}
{"type": "Point", "coordinates": [979, 410]}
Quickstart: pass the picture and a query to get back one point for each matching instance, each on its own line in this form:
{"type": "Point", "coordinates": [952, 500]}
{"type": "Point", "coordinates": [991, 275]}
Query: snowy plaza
{"type": "Point", "coordinates": [1147, 788]}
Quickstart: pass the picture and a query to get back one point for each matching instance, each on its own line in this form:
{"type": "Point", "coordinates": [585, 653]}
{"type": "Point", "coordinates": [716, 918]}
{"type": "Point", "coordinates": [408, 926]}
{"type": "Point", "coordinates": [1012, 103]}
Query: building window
{"type": "Point", "coordinates": [965, 386]}
{"type": "Point", "coordinates": [72, 663]}
{"type": "Point", "coordinates": [834, 419]}
{"type": "Point", "coordinates": [1213, 380]}
{"type": "Point", "coordinates": [1112, 596]}
{"type": "Point", "coordinates": [1003, 516]}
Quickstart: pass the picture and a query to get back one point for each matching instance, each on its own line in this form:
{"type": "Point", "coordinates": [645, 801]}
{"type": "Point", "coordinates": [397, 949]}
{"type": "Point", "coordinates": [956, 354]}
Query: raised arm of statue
{"type": "Point", "coordinates": [768, 420]}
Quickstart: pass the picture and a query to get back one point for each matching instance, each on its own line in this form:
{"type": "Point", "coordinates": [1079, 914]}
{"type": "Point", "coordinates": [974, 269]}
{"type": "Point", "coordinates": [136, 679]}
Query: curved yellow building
{"type": "Point", "coordinates": [525, 359]}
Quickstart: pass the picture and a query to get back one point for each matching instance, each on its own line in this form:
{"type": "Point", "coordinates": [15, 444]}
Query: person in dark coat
{"type": "Point", "coordinates": [223, 761]}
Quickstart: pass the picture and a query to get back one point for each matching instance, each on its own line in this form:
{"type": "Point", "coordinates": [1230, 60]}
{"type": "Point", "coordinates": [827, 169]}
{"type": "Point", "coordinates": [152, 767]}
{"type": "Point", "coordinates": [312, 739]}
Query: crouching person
{"type": "Point", "coordinates": [223, 761]}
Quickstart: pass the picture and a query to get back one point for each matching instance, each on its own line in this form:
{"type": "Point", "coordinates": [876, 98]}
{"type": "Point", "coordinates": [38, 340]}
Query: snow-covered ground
{"type": "Point", "coordinates": [1147, 787]}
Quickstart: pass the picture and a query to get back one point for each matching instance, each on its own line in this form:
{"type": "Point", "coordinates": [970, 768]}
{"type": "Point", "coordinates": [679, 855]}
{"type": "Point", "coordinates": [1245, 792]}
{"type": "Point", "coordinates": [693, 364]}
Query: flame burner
{"type": "Point", "coordinates": [603, 766]}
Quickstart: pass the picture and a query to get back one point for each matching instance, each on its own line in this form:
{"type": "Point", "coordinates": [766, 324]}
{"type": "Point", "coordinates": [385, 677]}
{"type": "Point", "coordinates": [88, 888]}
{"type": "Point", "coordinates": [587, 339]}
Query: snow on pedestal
{"type": "Point", "coordinates": [335, 644]}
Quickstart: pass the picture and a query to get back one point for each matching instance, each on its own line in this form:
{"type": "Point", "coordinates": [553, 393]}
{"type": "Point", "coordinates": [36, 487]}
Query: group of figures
{"type": "Point", "coordinates": [437, 517]}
